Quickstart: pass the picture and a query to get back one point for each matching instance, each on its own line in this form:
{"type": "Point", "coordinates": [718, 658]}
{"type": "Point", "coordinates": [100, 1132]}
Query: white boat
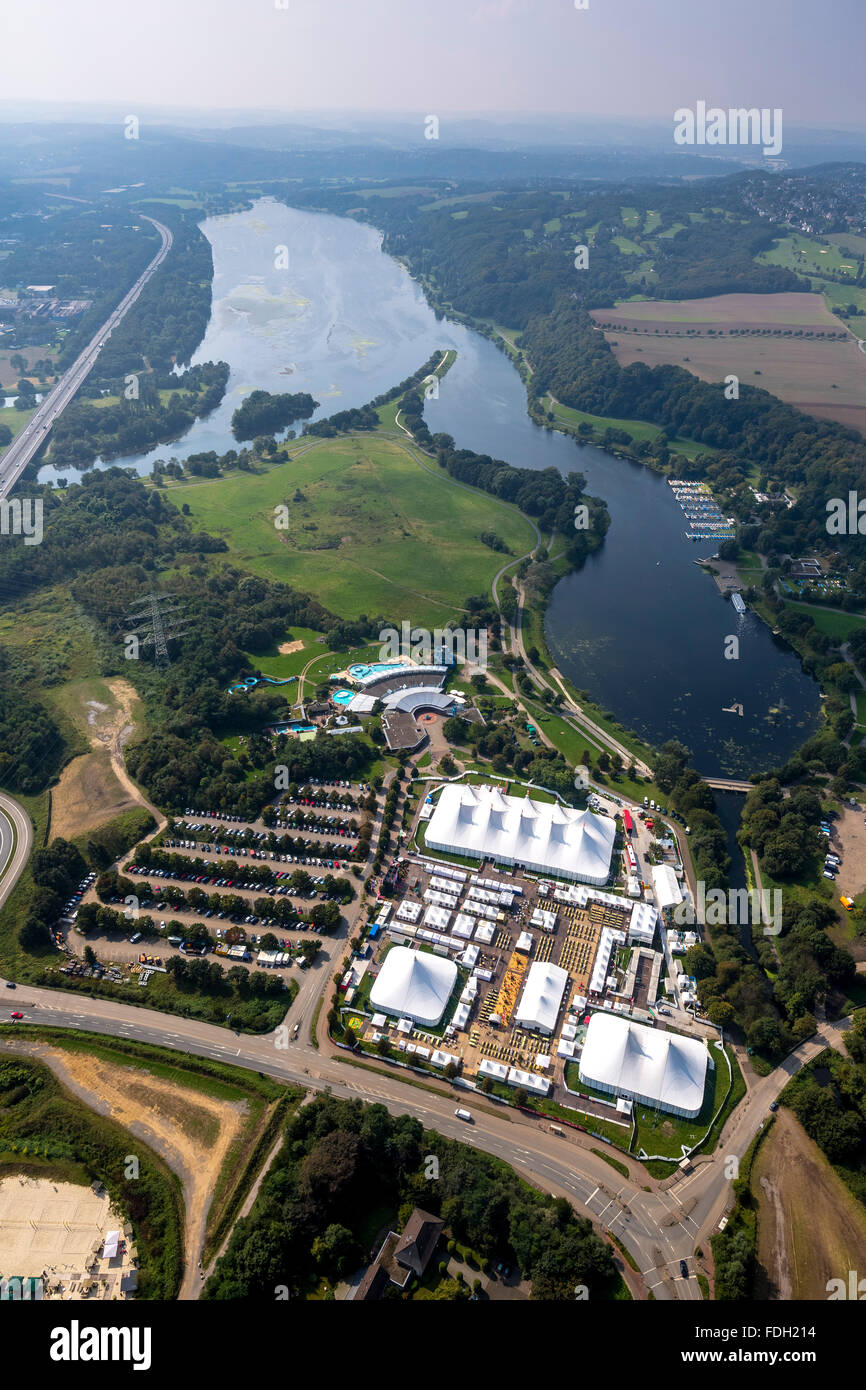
{"type": "Point", "coordinates": [737, 601]}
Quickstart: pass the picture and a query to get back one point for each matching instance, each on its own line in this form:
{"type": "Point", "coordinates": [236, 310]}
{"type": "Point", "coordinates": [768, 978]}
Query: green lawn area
{"type": "Point", "coordinates": [627, 246]}
{"type": "Point", "coordinates": [638, 429]}
{"type": "Point", "coordinates": [826, 620]}
{"type": "Point", "coordinates": [375, 532]}
{"type": "Point", "coordinates": [805, 254]}
{"type": "Point", "coordinates": [837, 298]}
{"type": "Point", "coordinates": [281, 665]}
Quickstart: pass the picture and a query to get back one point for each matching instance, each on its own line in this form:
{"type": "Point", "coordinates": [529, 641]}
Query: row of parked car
{"type": "Point", "coordinates": [832, 861]}
{"type": "Point", "coordinates": [75, 901]}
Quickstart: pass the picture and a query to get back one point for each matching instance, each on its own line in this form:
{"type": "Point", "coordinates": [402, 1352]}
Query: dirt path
{"type": "Point", "coordinates": [116, 735]}
{"type": "Point", "coordinates": [780, 1262]}
{"type": "Point", "coordinates": [810, 1228]}
{"type": "Point", "coordinates": [247, 1205]}
{"type": "Point", "coordinates": [193, 1132]}
{"type": "Point", "coordinates": [95, 787]}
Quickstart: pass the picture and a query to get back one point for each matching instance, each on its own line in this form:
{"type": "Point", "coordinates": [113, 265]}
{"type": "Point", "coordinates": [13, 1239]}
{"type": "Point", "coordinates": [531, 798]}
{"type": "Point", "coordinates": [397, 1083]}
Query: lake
{"type": "Point", "coordinates": [641, 627]}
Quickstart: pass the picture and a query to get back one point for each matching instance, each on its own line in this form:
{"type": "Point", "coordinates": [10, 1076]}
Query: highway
{"type": "Point", "coordinates": [660, 1224]}
{"type": "Point", "coordinates": [33, 436]}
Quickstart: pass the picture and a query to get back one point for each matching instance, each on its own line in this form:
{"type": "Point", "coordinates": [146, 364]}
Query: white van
{"type": "Point", "coordinates": [464, 1115]}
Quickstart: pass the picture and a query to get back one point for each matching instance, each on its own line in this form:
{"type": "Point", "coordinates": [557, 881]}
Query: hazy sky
{"type": "Point", "coordinates": [624, 57]}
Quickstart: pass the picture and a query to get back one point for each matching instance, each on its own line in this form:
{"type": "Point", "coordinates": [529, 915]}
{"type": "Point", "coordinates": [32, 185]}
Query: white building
{"type": "Point", "coordinates": [642, 924]}
{"type": "Point", "coordinates": [542, 996]}
{"type": "Point", "coordinates": [414, 984]}
{"type": "Point", "coordinates": [666, 889]}
{"type": "Point", "coordinates": [480, 822]}
{"type": "Point", "coordinates": [659, 1069]}
{"type": "Point", "coordinates": [528, 1081]}
{"type": "Point", "coordinates": [609, 941]}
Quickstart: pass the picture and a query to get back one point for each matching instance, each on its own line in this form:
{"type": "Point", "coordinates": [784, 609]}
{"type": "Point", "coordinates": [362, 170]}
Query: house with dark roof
{"type": "Point", "coordinates": [402, 1255]}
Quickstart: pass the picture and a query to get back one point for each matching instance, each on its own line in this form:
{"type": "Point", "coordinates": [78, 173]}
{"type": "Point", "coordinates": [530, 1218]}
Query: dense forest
{"type": "Point", "coordinates": [167, 322]}
{"type": "Point", "coordinates": [343, 1160]}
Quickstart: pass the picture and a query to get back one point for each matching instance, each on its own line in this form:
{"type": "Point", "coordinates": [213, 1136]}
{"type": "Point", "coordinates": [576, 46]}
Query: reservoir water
{"type": "Point", "coordinates": [641, 627]}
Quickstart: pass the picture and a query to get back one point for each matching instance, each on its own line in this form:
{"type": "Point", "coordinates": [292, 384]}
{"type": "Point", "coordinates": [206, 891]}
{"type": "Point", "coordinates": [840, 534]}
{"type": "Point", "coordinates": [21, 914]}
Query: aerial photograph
{"type": "Point", "coordinates": [433, 671]}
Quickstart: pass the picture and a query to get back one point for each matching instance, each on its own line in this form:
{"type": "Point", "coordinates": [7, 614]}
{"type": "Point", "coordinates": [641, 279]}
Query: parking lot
{"type": "Point", "coordinates": [240, 881]}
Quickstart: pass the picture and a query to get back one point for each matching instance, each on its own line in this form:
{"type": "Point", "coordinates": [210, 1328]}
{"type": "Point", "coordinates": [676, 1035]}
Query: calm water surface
{"type": "Point", "coordinates": [640, 627]}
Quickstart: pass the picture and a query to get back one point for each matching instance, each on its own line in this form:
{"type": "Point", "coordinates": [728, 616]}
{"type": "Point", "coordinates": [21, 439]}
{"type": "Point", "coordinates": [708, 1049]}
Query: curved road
{"type": "Point", "coordinates": [16, 840]}
{"type": "Point", "coordinates": [659, 1227]}
{"type": "Point", "coordinates": [33, 436]}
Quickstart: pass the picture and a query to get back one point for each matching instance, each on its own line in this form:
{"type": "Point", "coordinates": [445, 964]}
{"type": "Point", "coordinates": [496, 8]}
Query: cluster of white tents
{"type": "Point", "coordinates": [481, 822]}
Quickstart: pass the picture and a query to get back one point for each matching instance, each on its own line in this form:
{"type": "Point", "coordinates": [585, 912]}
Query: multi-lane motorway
{"type": "Point", "coordinates": [660, 1226]}
{"type": "Point", "coordinates": [25, 444]}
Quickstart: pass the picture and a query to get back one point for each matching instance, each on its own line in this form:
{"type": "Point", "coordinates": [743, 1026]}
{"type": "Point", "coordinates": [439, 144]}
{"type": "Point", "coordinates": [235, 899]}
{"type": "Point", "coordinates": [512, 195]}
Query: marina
{"type": "Point", "coordinates": [706, 522]}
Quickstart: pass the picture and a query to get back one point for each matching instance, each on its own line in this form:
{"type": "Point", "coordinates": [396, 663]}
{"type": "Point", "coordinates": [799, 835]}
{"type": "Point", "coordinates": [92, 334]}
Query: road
{"type": "Point", "coordinates": [16, 840]}
{"type": "Point", "coordinates": [32, 437]}
{"type": "Point", "coordinates": [659, 1227]}
{"type": "Point", "coordinates": [659, 1223]}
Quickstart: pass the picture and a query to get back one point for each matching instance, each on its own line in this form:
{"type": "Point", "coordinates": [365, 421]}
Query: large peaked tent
{"type": "Point", "coordinates": [629, 1059]}
{"type": "Point", "coordinates": [414, 984]}
{"type": "Point", "coordinates": [480, 822]}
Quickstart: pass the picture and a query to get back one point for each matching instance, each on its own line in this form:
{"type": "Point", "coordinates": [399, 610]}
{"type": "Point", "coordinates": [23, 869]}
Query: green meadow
{"type": "Point", "coordinates": [372, 530]}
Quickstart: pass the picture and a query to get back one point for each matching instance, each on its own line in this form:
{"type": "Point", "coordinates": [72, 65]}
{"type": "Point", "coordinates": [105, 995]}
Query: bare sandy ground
{"type": "Point", "coordinates": [46, 1225]}
{"type": "Point", "coordinates": [286, 648]}
{"type": "Point", "coordinates": [192, 1131]}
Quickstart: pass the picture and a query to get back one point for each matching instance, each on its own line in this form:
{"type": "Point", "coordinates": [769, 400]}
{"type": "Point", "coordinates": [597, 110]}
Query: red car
{"type": "Point", "coordinates": [17, 1015]}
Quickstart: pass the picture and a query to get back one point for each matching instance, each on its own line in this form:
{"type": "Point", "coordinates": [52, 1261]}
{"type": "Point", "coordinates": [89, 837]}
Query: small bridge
{"type": "Point", "coordinates": [728, 784]}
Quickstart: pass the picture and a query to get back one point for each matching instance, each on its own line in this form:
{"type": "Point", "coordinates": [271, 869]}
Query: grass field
{"type": "Point", "coordinates": [822, 376]}
{"type": "Point", "coordinates": [87, 796]}
{"type": "Point", "coordinates": [805, 254]}
{"type": "Point", "coordinates": [375, 533]}
{"type": "Point", "coordinates": [281, 665]}
{"type": "Point", "coordinates": [810, 1227]}
{"type": "Point", "coordinates": [639, 430]}
{"type": "Point", "coordinates": [837, 625]}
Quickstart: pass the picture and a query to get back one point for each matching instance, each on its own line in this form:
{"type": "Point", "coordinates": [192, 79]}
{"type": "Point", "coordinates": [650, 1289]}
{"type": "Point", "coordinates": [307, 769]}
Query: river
{"type": "Point", "coordinates": [641, 627]}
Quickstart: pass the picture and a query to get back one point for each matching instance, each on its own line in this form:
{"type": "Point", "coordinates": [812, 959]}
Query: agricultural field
{"type": "Point", "coordinates": [737, 333]}
{"type": "Point", "coordinates": [810, 1227]}
{"type": "Point", "coordinates": [374, 531]}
